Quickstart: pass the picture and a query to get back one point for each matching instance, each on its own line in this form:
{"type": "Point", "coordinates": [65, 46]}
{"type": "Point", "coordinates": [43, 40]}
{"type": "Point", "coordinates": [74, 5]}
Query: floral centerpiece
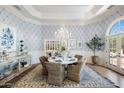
{"type": "Point", "coordinates": [63, 50]}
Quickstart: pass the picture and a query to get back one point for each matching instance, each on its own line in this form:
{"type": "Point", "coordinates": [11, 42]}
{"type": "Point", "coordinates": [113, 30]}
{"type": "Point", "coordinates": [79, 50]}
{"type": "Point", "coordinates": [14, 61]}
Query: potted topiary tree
{"type": "Point", "coordinates": [95, 44]}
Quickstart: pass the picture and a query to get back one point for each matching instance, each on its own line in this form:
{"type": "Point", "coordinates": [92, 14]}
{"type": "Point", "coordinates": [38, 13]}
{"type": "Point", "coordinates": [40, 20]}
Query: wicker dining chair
{"type": "Point", "coordinates": [43, 61]}
{"type": "Point", "coordinates": [79, 57]}
{"type": "Point", "coordinates": [56, 73]}
{"type": "Point", "coordinates": [74, 71]}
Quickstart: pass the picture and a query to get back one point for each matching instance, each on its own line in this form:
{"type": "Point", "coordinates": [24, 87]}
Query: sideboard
{"type": "Point", "coordinates": [12, 63]}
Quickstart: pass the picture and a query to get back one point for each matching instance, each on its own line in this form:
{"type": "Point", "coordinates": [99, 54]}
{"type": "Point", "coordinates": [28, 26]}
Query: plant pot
{"type": "Point", "coordinates": [95, 59]}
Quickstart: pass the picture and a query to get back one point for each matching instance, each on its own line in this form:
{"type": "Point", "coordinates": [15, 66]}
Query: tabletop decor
{"type": "Point", "coordinates": [63, 50]}
{"type": "Point", "coordinates": [21, 45]}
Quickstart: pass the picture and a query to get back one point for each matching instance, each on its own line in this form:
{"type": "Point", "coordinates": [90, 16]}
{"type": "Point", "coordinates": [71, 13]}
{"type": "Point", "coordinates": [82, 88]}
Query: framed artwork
{"type": "Point", "coordinates": [79, 44]}
{"type": "Point", "coordinates": [72, 44]}
{"type": "Point", "coordinates": [7, 38]}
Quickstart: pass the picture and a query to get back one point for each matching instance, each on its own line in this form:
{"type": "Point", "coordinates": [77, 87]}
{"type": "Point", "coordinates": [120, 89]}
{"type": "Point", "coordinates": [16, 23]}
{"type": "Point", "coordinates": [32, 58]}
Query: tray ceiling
{"type": "Point", "coordinates": [44, 13]}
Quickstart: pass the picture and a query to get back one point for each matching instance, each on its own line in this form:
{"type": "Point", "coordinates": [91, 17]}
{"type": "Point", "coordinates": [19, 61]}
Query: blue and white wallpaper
{"type": "Point", "coordinates": [29, 32]}
{"type": "Point", "coordinates": [33, 34]}
{"type": "Point", "coordinates": [84, 32]}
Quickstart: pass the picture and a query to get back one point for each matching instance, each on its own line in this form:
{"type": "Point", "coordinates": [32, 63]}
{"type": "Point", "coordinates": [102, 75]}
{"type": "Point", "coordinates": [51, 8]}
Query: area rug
{"type": "Point", "coordinates": [91, 79]}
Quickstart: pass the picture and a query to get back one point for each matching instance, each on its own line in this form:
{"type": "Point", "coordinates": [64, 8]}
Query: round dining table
{"type": "Point", "coordinates": [63, 61]}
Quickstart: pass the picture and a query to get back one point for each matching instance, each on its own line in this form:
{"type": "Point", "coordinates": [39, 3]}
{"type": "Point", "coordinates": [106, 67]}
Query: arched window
{"type": "Point", "coordinates": [117, 28]}
{"type": "Point", "coordinates": [115, 45]}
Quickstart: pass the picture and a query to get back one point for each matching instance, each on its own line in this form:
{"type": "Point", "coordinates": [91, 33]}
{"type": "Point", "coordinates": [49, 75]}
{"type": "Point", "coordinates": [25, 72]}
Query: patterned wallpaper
{"type": "Point", "coordinates": [79, 32]}
{"type": "Point", "coordinates": [34, 34]}
{"type": "Point", "coordinates": [30, 33]}
{"type": "Point", "coordinates": [84, 32]}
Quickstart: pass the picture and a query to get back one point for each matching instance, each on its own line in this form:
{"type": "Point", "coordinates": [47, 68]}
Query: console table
{"type": "Point", "coordinates": [7, 64]}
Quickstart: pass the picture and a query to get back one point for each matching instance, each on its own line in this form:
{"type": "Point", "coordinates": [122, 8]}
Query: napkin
{"type": "Point", "coordinates": [58, 60]}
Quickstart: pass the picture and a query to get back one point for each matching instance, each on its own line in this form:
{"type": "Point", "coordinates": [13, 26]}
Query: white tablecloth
{"type": "Point", "coordinates": [64, 61]}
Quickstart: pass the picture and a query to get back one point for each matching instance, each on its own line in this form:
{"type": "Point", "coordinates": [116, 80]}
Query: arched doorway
{"type": "Point", "coordinates": [115, 44]}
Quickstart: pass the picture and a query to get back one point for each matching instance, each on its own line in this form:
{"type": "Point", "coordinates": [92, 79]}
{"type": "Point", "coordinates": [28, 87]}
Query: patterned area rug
{"type": "Point", "coordinates": [91, 79]}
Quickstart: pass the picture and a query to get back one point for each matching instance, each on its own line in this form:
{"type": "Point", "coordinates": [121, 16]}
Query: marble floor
{"type": "Point", "coordinates": [118, 79]}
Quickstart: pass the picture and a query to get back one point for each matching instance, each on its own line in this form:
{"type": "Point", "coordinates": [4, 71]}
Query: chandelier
{"type": "Point", "coordinates": [62, 34]}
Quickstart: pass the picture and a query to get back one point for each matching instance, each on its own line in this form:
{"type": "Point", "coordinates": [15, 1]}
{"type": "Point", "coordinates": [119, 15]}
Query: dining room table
{"type": "Point", "coordinates": [63, 60]}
